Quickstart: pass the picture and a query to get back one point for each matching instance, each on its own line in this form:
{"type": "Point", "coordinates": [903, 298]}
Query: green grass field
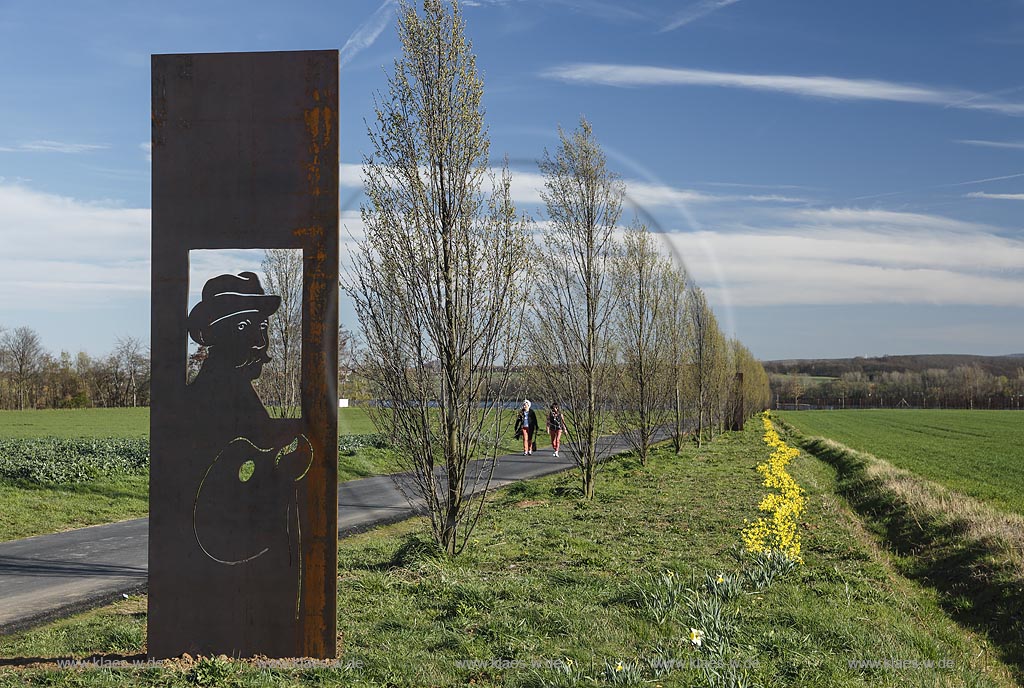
{"type": "Point", "coordinates": [128, 422]}
{"type": "Point", "coordinates": [124, 423]}
{"type": "Point", "coordinates": [27, 510]}
{"type": "Point", "coordinates": [979, 453]}
{"type": "Point", "coordinates": [135, 423]}
{"type": "Point", "coordinates": [550, 577]}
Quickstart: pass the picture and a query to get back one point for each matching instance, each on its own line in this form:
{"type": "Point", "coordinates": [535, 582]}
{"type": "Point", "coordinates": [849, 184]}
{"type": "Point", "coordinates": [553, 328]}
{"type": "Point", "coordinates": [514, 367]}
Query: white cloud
{"type": "Point", "coordinates": [877, 219]}
{"type": "Point", "coordinates": [204, 264]}
{"type": "Point", "coordinates": [1019, 145]}
{"type": "Point", "coordinates": [696, 11]}
{"type": "Point", "coordinates": [367, 33]}
{"type": "Point", "coordinates": [829, 87]}
{"type": "Point", "coordinates": [351, 175]}
{"type": "Point", "coordinates": [766, 251]}
{"type": "Point", "coordinates": [526, 188]}
{"type": "Point", "coordinates": [854, 256]}
{"type": "Point", "coordinates": [60, 251]}
{"type": "Point", "coordinates": [147, 148]}
{"type": "Point", "coordinates": [997, 196]}
{"type": "Point", "coordinates": [33, 224]}
{"type": "Point", "coordinates": [46, 146]}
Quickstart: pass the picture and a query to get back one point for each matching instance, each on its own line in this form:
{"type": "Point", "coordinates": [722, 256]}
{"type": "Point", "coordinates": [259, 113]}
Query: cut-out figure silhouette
{"type": "Point", "coordinates": [249, 467]}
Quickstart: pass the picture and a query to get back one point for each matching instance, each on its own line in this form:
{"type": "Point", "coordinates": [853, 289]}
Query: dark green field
{"type": "Point", "coordinates": [979, 453]}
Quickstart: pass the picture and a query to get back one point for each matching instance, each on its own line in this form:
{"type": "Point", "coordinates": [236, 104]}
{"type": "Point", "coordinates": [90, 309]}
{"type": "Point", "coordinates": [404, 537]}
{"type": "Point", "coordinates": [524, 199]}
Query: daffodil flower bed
{"type": "Point", "coordinates": [777, 532]}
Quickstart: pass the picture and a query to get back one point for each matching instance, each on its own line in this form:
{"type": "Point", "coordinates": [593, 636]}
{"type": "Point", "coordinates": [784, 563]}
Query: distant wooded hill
{"type": "Point", "coordinates": [871, 366]}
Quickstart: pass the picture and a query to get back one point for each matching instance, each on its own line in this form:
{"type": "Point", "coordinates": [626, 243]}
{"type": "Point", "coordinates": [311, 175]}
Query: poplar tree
{"type": "Point", "coordinates": [572, 342]}
{"type": "Point", "coordinates": [436, 276]}
{"type": "Point", "coordinates": [644, 330]}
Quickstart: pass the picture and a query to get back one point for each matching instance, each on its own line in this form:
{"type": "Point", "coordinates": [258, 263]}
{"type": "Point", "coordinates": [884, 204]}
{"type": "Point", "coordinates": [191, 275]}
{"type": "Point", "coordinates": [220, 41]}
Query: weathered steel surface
{"type": "Point", "coordinates": [245, 155]}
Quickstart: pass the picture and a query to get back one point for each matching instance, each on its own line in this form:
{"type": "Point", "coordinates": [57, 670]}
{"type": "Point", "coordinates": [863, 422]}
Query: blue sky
{"type": "Point", "coordinates": [841, 178]}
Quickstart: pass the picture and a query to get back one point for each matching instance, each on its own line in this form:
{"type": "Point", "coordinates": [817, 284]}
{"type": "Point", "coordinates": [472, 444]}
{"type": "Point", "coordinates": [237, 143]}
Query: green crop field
{"type": "Point", "coordinates": [979, 453]}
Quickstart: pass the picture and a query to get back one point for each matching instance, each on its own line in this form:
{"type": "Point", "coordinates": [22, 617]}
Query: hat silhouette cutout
{"type": "Point", "coordinates": [228, 295]}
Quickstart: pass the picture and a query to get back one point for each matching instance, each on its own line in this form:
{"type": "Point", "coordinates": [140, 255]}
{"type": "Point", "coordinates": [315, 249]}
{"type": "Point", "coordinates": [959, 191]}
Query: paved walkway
{"type": "Point", "coordinates": [52, 576]}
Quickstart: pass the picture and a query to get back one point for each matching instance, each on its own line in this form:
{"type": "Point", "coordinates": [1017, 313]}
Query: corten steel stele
{"type": "Point", "coordinates": [245, 156]}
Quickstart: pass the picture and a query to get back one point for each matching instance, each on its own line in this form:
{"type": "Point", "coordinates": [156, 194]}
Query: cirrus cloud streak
{"type": "Point", "coordinates": [819, 86]}
{"type": "Point", "coordinates": [997, 196]}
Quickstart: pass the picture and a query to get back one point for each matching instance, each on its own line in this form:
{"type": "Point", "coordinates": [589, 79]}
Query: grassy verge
{"type": "Point", "coordinates": [968, 551]}
{"type": "Point", "coordinates": [979, 453]}
{"type": "Point", "coordinates": [550, 577]}
{"type": "Point", "coordinates": [27, 510]}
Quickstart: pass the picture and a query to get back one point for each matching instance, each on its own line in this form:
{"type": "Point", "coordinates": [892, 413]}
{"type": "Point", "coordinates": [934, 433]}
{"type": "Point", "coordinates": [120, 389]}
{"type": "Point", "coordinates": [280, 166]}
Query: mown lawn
{"type": "Point", "coordinates": [27, 510]}
{"type": "Point", "coordinates": [551, 578]}
{"type": "Point", "coordinates": [980, 453]}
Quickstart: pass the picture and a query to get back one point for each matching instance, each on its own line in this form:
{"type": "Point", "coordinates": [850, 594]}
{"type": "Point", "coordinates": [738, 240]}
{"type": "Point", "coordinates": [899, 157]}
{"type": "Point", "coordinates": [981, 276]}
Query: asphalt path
{"type": "Point", "coordinates": [53, 576]}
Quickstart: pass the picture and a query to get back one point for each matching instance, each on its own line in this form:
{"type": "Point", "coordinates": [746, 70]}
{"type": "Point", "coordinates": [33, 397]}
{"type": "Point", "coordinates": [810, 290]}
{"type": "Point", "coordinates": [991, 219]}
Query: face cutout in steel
{"type": "Point", "coordinates": [243, 506]}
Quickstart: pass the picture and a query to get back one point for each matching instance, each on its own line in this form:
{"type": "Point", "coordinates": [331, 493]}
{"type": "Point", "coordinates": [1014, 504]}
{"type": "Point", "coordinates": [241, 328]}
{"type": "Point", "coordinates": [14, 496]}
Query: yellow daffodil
{"type": "Point", "coordinates": [778, 530]}
{"type": "Point", "coordinates": [618, 667]}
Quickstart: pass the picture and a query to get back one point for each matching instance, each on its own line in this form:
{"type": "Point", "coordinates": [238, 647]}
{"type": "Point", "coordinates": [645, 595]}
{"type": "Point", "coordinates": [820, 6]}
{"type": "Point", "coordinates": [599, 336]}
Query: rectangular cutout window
{"type": "Point", "coordinates": [245, 322]}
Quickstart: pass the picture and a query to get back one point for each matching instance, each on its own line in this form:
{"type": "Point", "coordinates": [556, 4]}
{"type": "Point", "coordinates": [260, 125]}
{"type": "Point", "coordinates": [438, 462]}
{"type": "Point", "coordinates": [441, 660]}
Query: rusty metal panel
{"type": "Point", "coordinates": [245, 155]}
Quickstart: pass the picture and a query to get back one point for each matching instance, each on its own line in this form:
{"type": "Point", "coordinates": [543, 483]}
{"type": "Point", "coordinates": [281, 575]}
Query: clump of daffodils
{"type": "Point", "coordinates": [777, 531]}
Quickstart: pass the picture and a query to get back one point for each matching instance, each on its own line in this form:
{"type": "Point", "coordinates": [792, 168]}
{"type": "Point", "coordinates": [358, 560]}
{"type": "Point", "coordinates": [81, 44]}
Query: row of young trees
{"type": "Point", "coordinates": [963, 386]}
{"type": "Point", "coordinates": [619, 337]}
{"type": "Point", "coordinates": [31, 377]}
